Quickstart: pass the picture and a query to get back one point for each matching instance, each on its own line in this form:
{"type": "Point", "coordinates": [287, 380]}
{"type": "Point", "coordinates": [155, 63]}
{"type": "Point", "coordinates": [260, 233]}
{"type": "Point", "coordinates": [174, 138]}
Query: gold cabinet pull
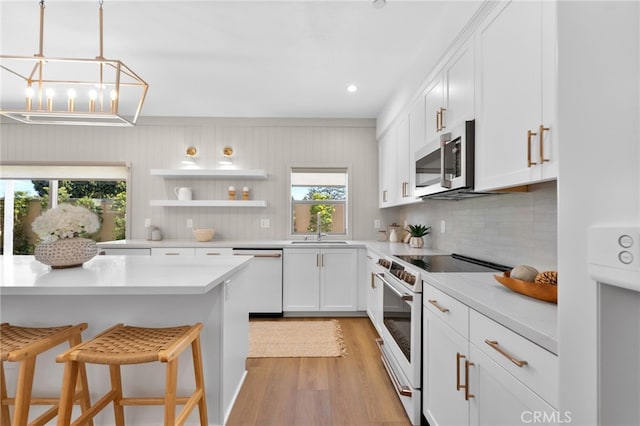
{"type": "Point", "coordinates": [438, 121]}
{"type": "Point", "coordinates": [467, 395]}
{"type": "Point", "coordinates": [442, 126]}
{"type": "Point", "coordinates": [437, 305]}
{"type": "Point", "coordinates": [384, 196]}
{"type": "Point", "coordinates": [459, 356]}
{"type": "Point", "coordinates": [541, 131]}
{"type": "Point", "coordinates": [494, 344]}
{"type": "Point", "coordinates": [529, 134]}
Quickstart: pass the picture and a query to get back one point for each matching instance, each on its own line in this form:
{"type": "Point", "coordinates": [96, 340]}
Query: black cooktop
{"type": "Point", "coordinates": [452, 263]}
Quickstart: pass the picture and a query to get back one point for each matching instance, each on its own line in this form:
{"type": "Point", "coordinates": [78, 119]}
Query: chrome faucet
{"type": "Point", "coordinates": [318, 228]}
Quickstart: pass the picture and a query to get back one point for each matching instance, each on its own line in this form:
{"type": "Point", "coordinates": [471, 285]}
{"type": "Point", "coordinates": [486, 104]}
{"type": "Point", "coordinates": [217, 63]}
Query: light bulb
{"type": "Point", "coordinates": [50, 93]}
{"type": "Point", "coordinates": [71, 103]}
{"type": "Point", "coordinates": [29, 92]}
{"type": "Point", "coordinates": [92, 100]}
{"type": "Point", "coordinates": [114, 94]}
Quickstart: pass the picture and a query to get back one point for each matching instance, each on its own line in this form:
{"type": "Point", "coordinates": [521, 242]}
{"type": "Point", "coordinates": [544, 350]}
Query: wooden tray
{"type": "Point", "coordinates": [546, 292]}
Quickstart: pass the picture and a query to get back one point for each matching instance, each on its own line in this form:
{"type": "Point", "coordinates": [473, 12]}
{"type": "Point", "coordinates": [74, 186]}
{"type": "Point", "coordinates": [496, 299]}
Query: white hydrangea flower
{"type": "Point", "coordinates": [65, 221]}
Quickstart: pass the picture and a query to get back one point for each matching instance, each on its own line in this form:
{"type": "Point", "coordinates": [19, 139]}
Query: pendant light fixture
{"type": "Point", "coordinates": [70, 91]}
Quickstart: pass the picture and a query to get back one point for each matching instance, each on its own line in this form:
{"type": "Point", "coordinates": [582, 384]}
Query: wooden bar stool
{"type": "Point", "coordinates": [122, 345]}
{"type": "Point", "coordinates": [23, 345]}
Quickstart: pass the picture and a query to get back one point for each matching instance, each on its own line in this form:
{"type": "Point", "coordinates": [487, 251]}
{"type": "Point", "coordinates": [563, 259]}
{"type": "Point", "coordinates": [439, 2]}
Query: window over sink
{"type": "Point", "coordinates": [319, 192]}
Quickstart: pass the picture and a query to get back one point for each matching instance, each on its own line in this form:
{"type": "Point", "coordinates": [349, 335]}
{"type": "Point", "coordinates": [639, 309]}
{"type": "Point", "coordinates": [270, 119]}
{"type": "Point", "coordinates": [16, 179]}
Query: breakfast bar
{"type": "Point", "coordinates": [142, 291]}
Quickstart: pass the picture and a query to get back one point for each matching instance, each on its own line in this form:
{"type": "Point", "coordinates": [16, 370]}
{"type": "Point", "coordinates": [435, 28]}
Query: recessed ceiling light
{"type": "Point", "coordinates": [352, 88]}
{"type": "Point", "coordinates": [378, 4]}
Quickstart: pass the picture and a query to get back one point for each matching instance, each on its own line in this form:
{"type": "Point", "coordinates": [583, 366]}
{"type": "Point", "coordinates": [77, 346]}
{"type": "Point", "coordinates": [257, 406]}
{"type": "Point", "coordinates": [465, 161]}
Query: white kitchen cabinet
{"type": "Point", "coordinates": [213, 251]}
{"type": "Point", "coordinates": [374, 291]}
{"type": "Point", "coordinates": [396, 165]}
{"type": "Point", "coordinates": [478, 372]}
{"type": "Point", "coordinates": [172, 251]}
{"type": "Point", "coordinates": [320, 279]}
{"type": "Point", "coordinates": [502, 400]}
{"type": "Point", "coordinates": [515, 99]}
{"type": "Point", "coordinates": [174, 174]}
{"type": "Point", "coordinates": [417, 137]}
{"type": "Point", "coordinates": [387, 170]}
{"type": "Point", "coordinates": [124, 251]}
{"type": "Point", "coordinates": [450, 97]}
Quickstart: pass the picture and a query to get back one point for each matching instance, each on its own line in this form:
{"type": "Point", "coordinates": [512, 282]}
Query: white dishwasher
{"type": "Point", "coordinates": [265, 276]}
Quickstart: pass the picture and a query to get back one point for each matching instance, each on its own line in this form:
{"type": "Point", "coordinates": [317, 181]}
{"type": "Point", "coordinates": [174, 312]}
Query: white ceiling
{"type": "Point", "coordinates": [249, 58]}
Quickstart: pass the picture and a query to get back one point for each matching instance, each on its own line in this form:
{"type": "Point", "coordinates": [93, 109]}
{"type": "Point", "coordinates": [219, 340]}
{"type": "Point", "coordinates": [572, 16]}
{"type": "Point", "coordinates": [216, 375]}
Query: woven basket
{"type": "Point", "coordinates": [540, 291]}
{"type": "Point", "coordinates": [66, 253]}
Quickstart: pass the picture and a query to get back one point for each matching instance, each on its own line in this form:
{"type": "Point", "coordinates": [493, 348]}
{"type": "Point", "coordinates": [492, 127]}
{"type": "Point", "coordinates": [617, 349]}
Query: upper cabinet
{"type": "Point", "coordinates": [449, 98]}
{"type": "Point", "coordinates": [515, 98]}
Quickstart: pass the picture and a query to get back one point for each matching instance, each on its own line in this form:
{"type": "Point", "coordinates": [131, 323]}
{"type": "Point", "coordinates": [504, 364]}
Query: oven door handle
{"type": "Point", "coordinates": [402, 389]}
{"type": "Point", "coordinates": [403, 296]}
{"type": "Point", "coordinates": [444, 182]}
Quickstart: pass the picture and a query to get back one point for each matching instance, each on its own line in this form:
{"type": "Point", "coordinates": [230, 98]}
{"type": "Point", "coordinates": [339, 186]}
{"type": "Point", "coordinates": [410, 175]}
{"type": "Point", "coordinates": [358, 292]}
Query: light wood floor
{"type": "Point", "coordinates": [321, 391]}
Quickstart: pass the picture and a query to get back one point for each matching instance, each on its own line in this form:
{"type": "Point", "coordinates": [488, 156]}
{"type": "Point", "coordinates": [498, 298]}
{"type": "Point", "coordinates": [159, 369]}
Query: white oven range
{"type": "Point", "coordinates": [400, 340]}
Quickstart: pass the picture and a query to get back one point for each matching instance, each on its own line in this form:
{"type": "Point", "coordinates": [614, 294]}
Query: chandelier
{"type": "Point", "coordinates": [70, 91]}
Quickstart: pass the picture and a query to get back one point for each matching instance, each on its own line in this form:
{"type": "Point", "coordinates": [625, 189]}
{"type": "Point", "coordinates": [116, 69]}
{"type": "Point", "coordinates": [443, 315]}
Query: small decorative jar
{"type": "Point", "coordinates": [232, 193]}
{"type": "Point", "coordinates": [245, 193]}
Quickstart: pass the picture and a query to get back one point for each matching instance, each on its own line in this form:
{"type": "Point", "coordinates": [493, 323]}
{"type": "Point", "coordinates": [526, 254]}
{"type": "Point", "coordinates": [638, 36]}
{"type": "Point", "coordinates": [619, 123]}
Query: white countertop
{"type": "Point", "coordinates": [118, 275]}
{"type": "Point", "coordinates": [228, 243]}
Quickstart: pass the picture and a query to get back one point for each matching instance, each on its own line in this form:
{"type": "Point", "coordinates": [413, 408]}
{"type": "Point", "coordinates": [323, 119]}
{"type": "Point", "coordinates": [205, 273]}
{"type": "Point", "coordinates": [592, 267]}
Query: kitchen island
{"type": "Point", "coordinates": [144, 291]}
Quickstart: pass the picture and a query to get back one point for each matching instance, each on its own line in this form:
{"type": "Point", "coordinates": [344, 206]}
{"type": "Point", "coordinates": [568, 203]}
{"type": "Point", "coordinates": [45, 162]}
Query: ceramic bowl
{"type": "Point", "coordinates": [204, 234]}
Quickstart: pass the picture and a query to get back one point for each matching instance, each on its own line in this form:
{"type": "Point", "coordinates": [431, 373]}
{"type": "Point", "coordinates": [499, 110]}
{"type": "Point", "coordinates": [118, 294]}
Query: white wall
{"type": "Point", "coordinates": [598, 129]}
{"type": "Point", "coordinates": [269, 144]}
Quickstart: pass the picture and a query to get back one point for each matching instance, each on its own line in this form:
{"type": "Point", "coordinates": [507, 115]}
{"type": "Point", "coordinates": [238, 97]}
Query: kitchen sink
{"type": "Point", "coordinates": [318, 242]}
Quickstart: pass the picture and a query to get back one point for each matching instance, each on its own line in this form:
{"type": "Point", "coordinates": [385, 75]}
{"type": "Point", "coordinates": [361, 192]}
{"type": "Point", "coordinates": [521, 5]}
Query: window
{"type": "Point", "coordinates": [26, 190]}
{"type": "Point", "coordinates": [319, 193]}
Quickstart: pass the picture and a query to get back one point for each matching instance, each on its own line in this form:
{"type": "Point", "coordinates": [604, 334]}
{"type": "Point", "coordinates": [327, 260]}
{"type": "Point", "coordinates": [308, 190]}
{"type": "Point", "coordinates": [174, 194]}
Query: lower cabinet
{"type": "Point", "coordinates": [374, 291]}
{"type": "Point", "coordinates": [320, 279]}
{"type": "Point", "coordinates": [191, 251]}
{"type": "Point", "coordinates": [124, 251]}
{"type": "Point", "coordinates": [480, 372]}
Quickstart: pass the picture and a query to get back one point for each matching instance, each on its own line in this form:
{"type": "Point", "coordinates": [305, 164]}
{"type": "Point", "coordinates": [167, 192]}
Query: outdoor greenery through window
{"type": "Point", "coordinates": [31, 197]}
{"type": "Point", "coordinates": [319, 193]}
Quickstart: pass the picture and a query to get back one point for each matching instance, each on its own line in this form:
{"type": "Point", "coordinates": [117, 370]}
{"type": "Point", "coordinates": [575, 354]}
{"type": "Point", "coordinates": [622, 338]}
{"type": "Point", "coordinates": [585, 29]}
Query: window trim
{"type": "Point", "coordinates": [320, 167]}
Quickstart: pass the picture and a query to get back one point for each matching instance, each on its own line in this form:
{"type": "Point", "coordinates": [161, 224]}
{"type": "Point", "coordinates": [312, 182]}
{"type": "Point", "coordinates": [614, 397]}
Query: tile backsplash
{"type": "Point", "coordinates": [509, 228]}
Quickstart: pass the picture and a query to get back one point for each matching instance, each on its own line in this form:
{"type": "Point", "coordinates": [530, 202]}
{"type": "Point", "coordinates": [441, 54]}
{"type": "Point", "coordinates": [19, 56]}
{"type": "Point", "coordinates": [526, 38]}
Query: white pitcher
{"type": "Point", "coordinates": [183, 193]}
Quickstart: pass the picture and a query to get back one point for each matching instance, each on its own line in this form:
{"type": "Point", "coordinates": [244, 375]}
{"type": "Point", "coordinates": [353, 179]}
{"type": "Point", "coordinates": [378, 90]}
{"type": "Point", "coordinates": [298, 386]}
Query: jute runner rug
{"type": "Point", "coordinates": [289, 339]}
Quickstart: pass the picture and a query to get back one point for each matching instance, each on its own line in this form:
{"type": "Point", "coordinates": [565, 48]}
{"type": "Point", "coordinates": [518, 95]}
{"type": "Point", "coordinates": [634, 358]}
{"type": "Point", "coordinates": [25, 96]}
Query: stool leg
{"type": "Point", "coordinates": [171, 385]}
{"type": "Point", "coordinates": [116, 385]}
{"type": "Point", "coordinates": [197, 369]}
{"type": "Point", "coordinates": [69, 380]}
{"type": "Point", "coordinates": [5, 420]}
{"type": "Point", "coordinates": [23, 391]}
{"type": "Point", "coordinates": [82, 385]}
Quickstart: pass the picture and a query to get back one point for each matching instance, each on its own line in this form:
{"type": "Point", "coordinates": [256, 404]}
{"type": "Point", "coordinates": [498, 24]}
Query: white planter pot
{"type": "Point", "coordinates": [66, 253]}
{"type": "Point", "coordinates": [416, 242]}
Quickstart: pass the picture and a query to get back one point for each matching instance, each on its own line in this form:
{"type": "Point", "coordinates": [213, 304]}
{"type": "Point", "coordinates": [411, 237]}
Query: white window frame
{"type": "Point", "coordinates": [347, 168]}
{"type": "Point", "coordinates": [55, 171]}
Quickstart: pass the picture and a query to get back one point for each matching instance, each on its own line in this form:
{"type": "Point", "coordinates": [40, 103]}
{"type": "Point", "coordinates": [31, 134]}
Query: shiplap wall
{"type": "Point", "coordinates": [268, 144]}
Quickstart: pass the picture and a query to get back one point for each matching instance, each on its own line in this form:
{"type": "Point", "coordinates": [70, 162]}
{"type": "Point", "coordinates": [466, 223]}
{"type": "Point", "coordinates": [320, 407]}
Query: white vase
{"type": "Point", "coordinates": [416, 242]}
{"type": "Point", "coordinates": [66, 253]}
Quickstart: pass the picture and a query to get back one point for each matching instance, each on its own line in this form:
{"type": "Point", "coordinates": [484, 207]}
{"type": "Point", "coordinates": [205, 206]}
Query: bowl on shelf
{"type": "Point", "coordinates": [540, 291]}
{"type": "Point", "coordinates": [203, 234]}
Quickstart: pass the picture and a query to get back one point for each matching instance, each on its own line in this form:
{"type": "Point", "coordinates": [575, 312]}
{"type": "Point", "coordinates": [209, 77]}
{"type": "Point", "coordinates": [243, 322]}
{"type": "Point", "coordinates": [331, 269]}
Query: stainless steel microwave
{"type": "Point", "coordinates": [446, 167]}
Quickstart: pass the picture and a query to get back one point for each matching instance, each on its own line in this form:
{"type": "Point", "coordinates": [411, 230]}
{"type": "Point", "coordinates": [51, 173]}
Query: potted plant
{"type": "Point", "coordinates": [61, 231]}
{"type": "Point", "coordinates": [417, 232]}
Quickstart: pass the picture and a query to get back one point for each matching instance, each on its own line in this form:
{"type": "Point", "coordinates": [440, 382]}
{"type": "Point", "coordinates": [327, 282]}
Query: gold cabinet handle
{"type": "Point", "coordinates": [541, 131]}
{"type": "Point", "coordinates": [438, 121]}
{"type": "Point", "coordinates": [437, 305]}
{"type": "Point", "coordinates": [494, 344]}
{"type": "Point", "coordinates": [467, 395]}
{"type": "Point", "coordinates": [384, 196]}
{"type": "Point", "coordinates": [442, 126]}
{"type": "Point", "coordinates": [373, 280]}
{"type": "Point", "coordinates": [529, 134]}
{"type": "Point", "coordinates": [459, 356]}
